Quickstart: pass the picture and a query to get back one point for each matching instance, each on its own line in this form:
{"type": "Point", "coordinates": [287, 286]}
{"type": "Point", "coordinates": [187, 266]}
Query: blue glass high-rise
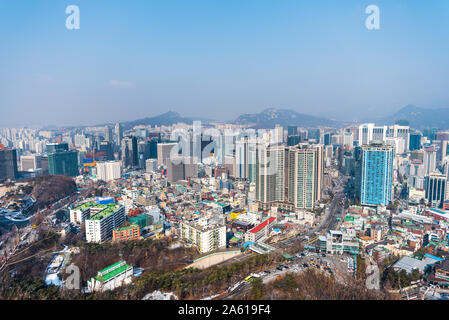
{"type": "Point", "coordinates": [376, 174]}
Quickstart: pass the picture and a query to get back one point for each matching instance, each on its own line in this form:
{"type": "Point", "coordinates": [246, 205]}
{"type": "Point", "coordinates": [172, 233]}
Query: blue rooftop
{"type": "Point", "coordinates": [433, 257]}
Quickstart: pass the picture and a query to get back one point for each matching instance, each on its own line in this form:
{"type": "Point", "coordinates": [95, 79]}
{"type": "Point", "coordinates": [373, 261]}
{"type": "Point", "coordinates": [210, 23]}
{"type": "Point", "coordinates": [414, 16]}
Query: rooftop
{"type": "Point", "coordinates": [85, 206]}
{"type": "Point", "coordinates": [262, 225]}
{"type": "Point", "coordinates": [111, 271]}
{"type": "Point", "coordinates": [109, 208]}
{"type": "Point", "coordinates": [126, 228]}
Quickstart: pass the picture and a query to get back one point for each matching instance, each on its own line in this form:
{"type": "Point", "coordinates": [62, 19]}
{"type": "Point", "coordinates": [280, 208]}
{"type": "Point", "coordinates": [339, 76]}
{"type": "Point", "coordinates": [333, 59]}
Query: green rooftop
{"type": "Point", "coordinates": [85, 206]}
{"type": "Point", "coordinates": [111, 271]}
{"type": "Point", "coordinates": [125, 228]}
{"type": "Point", "coordinates": [109, 208]}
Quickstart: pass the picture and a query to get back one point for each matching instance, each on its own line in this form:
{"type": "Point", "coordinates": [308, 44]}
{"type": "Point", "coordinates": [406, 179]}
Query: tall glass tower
{"type": "Point", "coordinates": [376, 174]}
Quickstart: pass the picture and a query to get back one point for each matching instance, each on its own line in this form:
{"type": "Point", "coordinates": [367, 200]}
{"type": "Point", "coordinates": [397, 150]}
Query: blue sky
{"type": "Point", "coordinates": [218, 59]}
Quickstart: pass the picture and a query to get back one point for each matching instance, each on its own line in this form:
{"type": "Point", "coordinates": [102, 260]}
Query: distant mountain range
{"type": "Point", "coordinates": [266, 119]}
{"type": "Point", "coordinates": [270, 117]}
{"type": "Point", "coordinates": [419, 118]}
{"type": "Point", "coordinates": [166, 119]}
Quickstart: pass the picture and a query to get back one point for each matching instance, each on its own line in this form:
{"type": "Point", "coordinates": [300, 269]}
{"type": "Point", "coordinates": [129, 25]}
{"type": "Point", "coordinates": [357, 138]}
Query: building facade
{"type": "Point", "coordinates": [376, 174]}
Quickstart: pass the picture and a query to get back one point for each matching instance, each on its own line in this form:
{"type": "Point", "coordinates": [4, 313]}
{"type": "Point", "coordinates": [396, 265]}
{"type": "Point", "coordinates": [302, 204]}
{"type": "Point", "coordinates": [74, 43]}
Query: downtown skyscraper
{"type": "Point", "coordinates": [376, 174]}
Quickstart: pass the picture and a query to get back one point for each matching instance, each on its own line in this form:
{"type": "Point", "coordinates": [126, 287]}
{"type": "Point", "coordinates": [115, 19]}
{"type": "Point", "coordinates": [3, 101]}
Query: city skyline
{"type": "Point", "coordinates": [219, 60]}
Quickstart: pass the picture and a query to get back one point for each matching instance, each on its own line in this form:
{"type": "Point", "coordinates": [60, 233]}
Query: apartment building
{"type": "Point", "coordinates": [100, 225]}
{"type": "Point", "coordinates": [127, 233]}
{"type": "Point", "coordinates": [206, 237]}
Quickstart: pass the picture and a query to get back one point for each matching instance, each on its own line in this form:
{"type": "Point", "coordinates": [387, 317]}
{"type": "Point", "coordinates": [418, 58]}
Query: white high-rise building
{"type": "Point", "coordinates": [100, 225]}
{"type": "Point", "coordinates": [369, 132]}
{"type": "Point", "coordinates": [150, 165]}
{"type": "Point", "coordinates": [348, 139]}
{"type": "Point", "coordinates": [164, 151]}
{"type": "Point", "coordinates": [109, 170]}
{"type": "Point", "coordinates": [242, 159]}
{"type": "Point", "coordinates": [430, 160]}
{"type": "Point", "coordinates": [31, 162]}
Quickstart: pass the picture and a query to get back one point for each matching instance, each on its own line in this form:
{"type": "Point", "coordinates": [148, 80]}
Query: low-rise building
{"type": "Point", "coordinates": [127, 233]}
{"type": "Point", "coordinates": [260, 231]}
{"type": "Point", "coordinates": [335, 242]}
{"type": "Point", "coordinates": [111, 277]}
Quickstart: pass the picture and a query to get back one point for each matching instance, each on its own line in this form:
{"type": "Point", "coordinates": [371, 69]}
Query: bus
{"type": "Point", "coordinates": [248, 279]}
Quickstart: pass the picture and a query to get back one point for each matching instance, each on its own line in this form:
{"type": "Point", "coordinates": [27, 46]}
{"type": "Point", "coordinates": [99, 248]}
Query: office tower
{"type": "Point", "coordinates": [442, 150]}
{"type": "Point", "coordinates": [399, 132]}
{"type": "Point", "coordinates": [44, 164]}
{"type": "Point", "coordinates": [57, 147]}
{"type": "Point", "coordinates": [415, 141]}
{"type": "Point", "coordinates": [365, 133]}
{"type": "Point", "coordinates": [241, 159]}
{"type": "Point", "coordinates": [118, 134]}
{"type": "Point", "coordinates": [327, 139]}
{"type": "Point", "coordinates": [150, 165]}
{"type": "Point", "coordinates": [144, 152]}
{"type": "Point", "coordinates": [397, 143]}
{"type": "Point", "coordinates": [108, 134]}
{"type": "Point", "coordinates": [430, 160]}
{"type": "Point", "coordinates": [429, 133]}
{"type": "Point", "coordinates": [314, 134]}
{"type": "Point", "coordinates": [376, 174]}
{"type": "Point", "coordinates": [293, 140]}
{"type": "Point", "coordinates": [348, 139]}
{"type": "Point", "coordinates": [164, 151]}
{"type": "Point", "coordinates": [354, 131]}
{"type": "Point", "coordinates": [370, 132]}
{"type": "Point", "coordinates": [277, 136]}
{"type": "Point", "coordinates": [229, 164]}
{"type": "Point", "coordinates": [252, 161]}
{"type": "Point", "coordinates": [108, 171]}
{"type": "Point", "coordinates": [190, 168]}
{"type": "Point", "coordinates": [106, 151]}
{"type": "Point", "coordinates": [100, 225]}
{"type": "Point", "coordinates": [305, 169]}
{"type": "Point", "coordinates": [175, 170]}
{"type": "Point", "coordinates": [435, 184]}
{"type": "Point", "coordinates": [441, 136]}
{"type": "Point", "coordinates": [207, 147]}
{"type": "Point", "coordinates": [97, 140]}
{"type": "Point", "coordinates": [292, 130]}
{"type": "Point", "coordinates": [129, 152]}
{"type": "Point", "coordinates": [153, 147]}
{"type": "Point", "coordinates": [30, 163]}
{"type": "Point", "coordinates": [270, 182]}
{"type": "Point", "coordinates": [337, 139]}
{"type": "Point", "coordinates": [8, 164]}
{"type": "Point", "coordinates": [61, 160]}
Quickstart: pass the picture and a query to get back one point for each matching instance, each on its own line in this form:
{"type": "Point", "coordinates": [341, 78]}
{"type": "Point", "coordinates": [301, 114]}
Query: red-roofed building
{"type": "Point", "coordinates": [260, 231]}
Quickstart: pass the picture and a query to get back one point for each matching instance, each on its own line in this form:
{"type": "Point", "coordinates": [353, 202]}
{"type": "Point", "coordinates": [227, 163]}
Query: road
{"type": "Point", "coordinates": [336, 209]}
{"type": "Point", "coordinates": [329, 222]}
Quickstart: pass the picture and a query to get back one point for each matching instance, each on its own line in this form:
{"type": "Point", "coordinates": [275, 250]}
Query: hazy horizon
{"type": "Point", "coordinates": [219, 59]}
